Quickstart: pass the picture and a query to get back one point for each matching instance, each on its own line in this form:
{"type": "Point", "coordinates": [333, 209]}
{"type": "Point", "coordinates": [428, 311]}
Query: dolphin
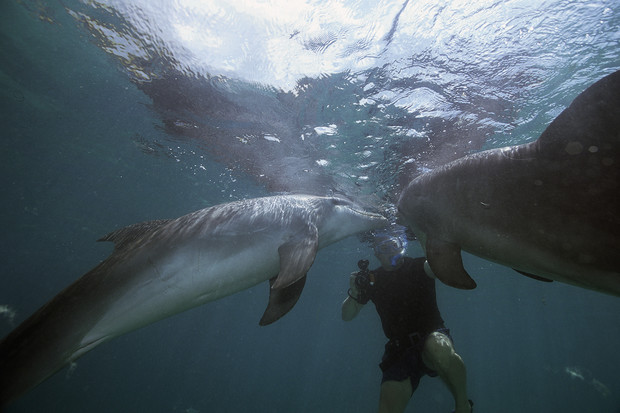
{"type": "Point", "coordinates": [160, 268]}
{"type": "Point", "coordinates": [549, 209]}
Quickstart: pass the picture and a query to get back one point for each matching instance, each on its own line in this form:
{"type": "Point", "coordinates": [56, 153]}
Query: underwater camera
{"type": "Point", "coordinates": [363, 277]}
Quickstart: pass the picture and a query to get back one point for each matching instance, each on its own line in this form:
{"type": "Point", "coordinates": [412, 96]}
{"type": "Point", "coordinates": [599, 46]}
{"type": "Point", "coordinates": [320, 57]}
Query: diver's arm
{"type": "Point", "coordinates": [350, 306]}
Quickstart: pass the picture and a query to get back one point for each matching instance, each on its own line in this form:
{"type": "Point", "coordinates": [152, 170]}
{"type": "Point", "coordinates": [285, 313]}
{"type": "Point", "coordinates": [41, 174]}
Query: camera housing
{"type": "Point", "coordinates": [363, 277]}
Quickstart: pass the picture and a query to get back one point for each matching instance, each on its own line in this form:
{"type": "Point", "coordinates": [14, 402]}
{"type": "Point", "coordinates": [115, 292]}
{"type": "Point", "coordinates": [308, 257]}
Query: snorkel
{"type": "Point", "coordinates": [394, 260]}
{"type": "Point", "coordinates": [400, 253]}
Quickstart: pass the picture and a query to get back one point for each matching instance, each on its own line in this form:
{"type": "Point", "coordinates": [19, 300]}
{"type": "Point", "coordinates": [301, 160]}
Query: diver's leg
{"type": "Point", "coordinates": [394, 396]}
{"type": "Point", "coordinates": [439, 355]}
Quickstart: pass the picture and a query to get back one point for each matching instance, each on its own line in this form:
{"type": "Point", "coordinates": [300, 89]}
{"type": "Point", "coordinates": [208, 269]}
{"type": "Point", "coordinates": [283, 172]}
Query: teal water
{"type": "Point", "coordinates": [349, 99]}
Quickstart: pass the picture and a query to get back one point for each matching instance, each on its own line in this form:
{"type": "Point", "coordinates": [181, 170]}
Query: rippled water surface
{"type": "Point", "coordinates": [116, 112]}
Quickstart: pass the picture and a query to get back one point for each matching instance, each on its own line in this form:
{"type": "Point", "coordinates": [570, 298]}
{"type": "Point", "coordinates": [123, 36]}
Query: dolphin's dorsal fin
{"type": "Point", "coordinates": [296, 256]}
{"type": "Point", "coordinates": [281, 300]}
{"type": "Point", "coordinates": [446, 263]}
{"type": "Point", "coordinates": [590, 123]}
{"type": "Point", "coordinates": [122, 237]}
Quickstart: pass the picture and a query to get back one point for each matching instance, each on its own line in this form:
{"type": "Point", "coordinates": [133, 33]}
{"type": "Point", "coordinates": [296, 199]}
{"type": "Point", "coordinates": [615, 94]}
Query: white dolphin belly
{"type": "Point", "coordinates": [180, 281]}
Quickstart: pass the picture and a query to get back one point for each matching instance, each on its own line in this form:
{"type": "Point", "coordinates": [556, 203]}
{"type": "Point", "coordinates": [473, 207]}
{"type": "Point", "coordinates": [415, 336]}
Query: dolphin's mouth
{"type": "Point", "coordinates": [367, 213]}
{"type": "Point", "coordinates": [371, 214]}
{"type": "Point", "coordinates": [362, 210]}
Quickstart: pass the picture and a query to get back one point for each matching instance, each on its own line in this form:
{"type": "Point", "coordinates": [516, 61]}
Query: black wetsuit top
{"type": "Point", "coordinates": [405, 300]}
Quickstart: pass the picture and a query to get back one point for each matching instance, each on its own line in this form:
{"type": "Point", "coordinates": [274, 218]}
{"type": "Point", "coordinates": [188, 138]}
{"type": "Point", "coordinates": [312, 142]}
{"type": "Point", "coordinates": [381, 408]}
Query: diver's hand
{"type": "Point", "coordinates": [350, 306]}
{"type": "Point", "coordinates": [353, 285]}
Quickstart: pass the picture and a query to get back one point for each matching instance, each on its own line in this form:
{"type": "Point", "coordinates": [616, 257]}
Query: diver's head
{"type": "Point", "coordinates": [390, 251]}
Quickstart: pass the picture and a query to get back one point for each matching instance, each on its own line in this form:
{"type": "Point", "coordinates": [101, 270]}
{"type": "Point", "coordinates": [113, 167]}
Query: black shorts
{"type": "Point", "coordinates": [408, 363]}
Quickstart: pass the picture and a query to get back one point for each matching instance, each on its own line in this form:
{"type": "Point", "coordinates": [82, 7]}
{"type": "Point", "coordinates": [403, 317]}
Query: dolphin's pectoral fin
{"type": "Point", "coordinates": [445, 260]}
{"type": "Point", "coordinates": [281, 300]}
{"type": "Point", "coordinates": [535, 277]}
{"type": "Point", "coordinates": [296, 257]}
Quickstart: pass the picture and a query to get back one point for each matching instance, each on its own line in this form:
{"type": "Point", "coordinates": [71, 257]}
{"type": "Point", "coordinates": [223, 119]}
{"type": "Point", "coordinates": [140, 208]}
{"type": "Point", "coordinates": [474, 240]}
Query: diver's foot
{"type": "Point", "coordinates": [466, 409]}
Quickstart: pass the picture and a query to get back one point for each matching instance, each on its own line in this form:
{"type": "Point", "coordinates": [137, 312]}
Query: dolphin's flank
{"type": "Point", "coordinates": [550, 209]}
{"type": "Point", "coordinates": [161, 268]}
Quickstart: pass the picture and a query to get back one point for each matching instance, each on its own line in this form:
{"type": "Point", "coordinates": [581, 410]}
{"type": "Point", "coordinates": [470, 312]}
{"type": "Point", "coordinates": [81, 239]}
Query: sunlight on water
{"type": "Point", "coordinates": [278, 42]}
{"type": "Point", "coordinates": [481, 66]}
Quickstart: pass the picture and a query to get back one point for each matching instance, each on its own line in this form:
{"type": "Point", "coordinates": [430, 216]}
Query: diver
{"type": "Point", "coordinates": [403, 291]}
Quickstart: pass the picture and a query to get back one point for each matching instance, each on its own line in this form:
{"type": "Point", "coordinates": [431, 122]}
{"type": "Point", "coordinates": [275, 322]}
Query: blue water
{"type": "Point", "coordinates": [143, 110]}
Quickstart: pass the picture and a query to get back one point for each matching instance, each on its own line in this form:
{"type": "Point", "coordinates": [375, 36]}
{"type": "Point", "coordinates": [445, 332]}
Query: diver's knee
{"type": "Point", "coordinates": [439, 353]}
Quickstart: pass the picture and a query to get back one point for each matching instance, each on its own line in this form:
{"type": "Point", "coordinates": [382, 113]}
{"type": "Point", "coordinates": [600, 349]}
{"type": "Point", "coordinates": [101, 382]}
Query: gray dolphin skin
{"type": "Point", "coordinates": [161, 268]}
{"type": "Point", "coordinates": [550, 209]}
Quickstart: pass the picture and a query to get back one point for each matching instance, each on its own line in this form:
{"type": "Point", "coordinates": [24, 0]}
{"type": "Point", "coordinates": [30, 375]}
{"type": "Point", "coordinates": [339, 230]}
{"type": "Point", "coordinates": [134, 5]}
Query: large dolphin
{"type": "Point", "coordinates": [549, 209]}
{"type": "Point", "coordinates": [161, 268]}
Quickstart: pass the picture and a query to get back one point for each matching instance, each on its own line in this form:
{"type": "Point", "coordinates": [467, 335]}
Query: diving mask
{"type": "Point", "coordinates": [393, 248]}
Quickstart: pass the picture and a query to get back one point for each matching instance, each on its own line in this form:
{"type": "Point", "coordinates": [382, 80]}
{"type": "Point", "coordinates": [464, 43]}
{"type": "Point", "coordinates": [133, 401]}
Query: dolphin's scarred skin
{"type": "Point", "coordinates": [160, 268]}
{"type": "Point", "coordinates": [550, 209]}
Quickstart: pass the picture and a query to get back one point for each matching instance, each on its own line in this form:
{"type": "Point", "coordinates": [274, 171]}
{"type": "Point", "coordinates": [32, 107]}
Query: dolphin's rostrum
{"type": "Point", "coordinates": [161, 268]}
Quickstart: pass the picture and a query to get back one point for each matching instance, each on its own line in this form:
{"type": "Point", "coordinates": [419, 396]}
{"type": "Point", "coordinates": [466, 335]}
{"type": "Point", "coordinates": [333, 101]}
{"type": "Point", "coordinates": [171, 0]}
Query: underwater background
{"type": "Point", "coordinates": [117, 112]}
